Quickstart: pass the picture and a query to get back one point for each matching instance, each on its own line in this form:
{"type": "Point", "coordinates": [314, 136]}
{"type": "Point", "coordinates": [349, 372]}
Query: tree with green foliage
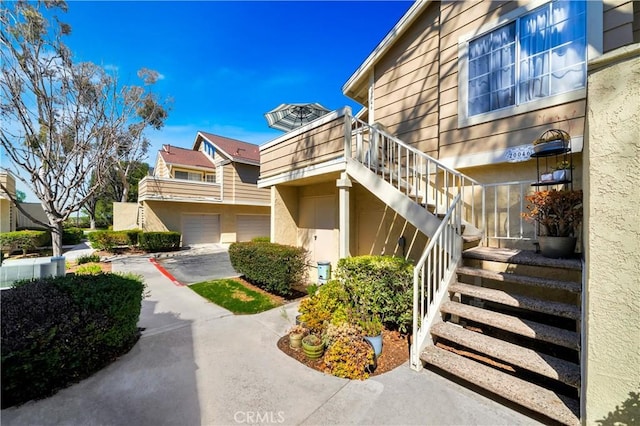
{"type": "Point", "coordinates": [20, 196]}
{"type": "Point", "coordinates": [63, 121]}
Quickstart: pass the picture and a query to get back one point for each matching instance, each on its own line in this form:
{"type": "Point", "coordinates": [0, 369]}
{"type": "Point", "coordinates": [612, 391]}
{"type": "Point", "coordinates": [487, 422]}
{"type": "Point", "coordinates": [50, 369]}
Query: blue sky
{"type": "Point", "coordinates": [227, 63]}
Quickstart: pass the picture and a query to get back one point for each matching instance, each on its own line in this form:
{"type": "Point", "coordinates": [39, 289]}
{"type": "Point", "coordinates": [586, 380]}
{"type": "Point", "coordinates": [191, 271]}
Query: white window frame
{"type": "Point", "coordinates": [211, 178]}
{"type": "Point", "coordinates": [594, 35]}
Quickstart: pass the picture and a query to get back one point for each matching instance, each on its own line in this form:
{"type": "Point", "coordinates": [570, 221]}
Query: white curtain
{"type": "Point", "coordinates": [551, 50]}
{"type": "Point", "coordinates": [491, 71]}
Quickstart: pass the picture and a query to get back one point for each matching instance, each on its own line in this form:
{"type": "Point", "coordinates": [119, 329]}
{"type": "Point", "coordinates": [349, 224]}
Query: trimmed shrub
{"type": "Point", "coordinates": [58, 331]}
{"type": "Point", "coordinates": [23, 240]}
{"type": "Point", "coordinates": [273, 267]}
{"type": "Point", "coordinates": [133, 236]}
{"type": "Point", "coordinates": [87, 258]}
{"type": "Point", "coordinates": [72, 236]}
{"type": "Point", "coordinates": [159, 241]}
{"type": "Point", "coordinates": [88, 269]}
{"type": "Point", "coordinates": [108, 240]}
{"type": "Point", "coordinates": [380, 286]}
{"type": "Point", "coordinates": [261, 240]}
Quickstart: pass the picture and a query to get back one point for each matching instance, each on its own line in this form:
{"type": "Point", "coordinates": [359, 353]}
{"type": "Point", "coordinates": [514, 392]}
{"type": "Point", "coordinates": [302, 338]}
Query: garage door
{"type": "Point", "coordinates": [200, 229]}
{"type": "Point", "coordinates": [251, 226]}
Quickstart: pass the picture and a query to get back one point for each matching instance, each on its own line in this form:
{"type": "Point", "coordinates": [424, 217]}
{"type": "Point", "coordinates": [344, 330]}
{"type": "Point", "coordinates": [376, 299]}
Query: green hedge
{"type": "Point", "coordinates": [108, 240]}
{"type": "Point", "coordinates": [381, 285]}
{"type": "Point", "coordinates": [274, 267]}
{"type": "Point", "coordinates": [24, 240]}
{"type": "Point", "coordinates": [72, 236]}
{"type": "Point", "coordinates": [58, 331]}
{"type": "Point", "coordinates": [159, 241]}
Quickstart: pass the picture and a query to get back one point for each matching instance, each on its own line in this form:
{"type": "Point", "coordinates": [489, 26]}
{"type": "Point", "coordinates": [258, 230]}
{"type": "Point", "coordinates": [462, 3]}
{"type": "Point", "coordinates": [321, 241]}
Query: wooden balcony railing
{"type": "Point", "coordinates": [165, 189]}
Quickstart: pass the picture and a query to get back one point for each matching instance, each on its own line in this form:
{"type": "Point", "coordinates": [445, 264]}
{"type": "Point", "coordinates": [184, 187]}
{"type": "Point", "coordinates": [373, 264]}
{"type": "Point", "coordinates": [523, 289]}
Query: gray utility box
{"type": "Point", "coordinates": [32, 268]}
{"type": "Point", "coordinates": [324, 272]}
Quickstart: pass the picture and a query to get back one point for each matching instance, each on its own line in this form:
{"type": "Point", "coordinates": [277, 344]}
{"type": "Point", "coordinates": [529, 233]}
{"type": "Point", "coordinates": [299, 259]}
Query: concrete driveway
{"type": "Point", "coordinates": [198, 364]}
{"type": "Point", "coordinates": [199, 264]}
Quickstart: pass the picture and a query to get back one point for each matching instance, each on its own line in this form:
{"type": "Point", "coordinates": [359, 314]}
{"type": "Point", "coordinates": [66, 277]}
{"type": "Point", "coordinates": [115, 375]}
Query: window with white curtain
{"type": "Point", "coordinates": [540, 54]}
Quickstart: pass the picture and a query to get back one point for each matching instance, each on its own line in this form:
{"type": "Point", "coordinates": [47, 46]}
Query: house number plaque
{"type": "Point", "coordinates": [519, 153]}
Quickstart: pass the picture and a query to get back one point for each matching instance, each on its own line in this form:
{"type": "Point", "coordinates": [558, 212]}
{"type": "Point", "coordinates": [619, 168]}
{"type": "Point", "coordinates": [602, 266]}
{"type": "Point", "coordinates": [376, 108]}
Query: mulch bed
{"type": "Point", "coordinates": [395, 352]}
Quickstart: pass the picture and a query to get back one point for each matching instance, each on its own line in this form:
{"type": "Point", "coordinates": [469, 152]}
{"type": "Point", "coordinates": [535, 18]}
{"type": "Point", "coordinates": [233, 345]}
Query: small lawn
{"type": "Point", "coordinates": [232, 295]}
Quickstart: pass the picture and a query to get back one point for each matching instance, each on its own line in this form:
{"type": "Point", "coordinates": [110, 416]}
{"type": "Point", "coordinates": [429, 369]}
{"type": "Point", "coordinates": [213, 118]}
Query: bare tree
{"type": "Point", "coordinates": [62, 122]}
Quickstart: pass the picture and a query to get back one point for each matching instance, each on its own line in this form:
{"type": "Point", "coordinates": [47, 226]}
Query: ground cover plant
{"type": "Point", "coordinates": [58, 331]}
{"type": "Point", "coordinates": [370, 295]}
{"type": "Point", "coordinates": [233, 295]}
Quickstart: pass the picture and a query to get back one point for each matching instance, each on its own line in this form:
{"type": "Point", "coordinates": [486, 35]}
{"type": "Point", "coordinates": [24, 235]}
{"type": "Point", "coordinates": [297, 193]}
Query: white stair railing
{"type": "Point", "coordinates": [421, 177]}
{"type": "Point", "coordinates": [446, 192]}
{"type": "Point", "coordinates": [432, 275]}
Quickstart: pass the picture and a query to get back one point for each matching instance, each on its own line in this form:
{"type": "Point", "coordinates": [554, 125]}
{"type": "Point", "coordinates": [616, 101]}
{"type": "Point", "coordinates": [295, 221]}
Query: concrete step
{"type": "Point", "coordinates": [527, 328]}
{"type": "Point", "coordinates": [563, 310]}
{"type": "Point", "coordinates": [536, 398]}
{"type": "Point", "coordinates": [518, 356]}
{"type": "Point", "coordinates": [570, 286]}
{"type": "Point", "coordinates": [520, 257]}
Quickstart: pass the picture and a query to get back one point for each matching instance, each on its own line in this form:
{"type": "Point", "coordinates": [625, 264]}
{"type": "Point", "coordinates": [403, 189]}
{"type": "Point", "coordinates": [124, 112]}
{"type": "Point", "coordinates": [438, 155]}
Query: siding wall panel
{"type": "Point", "coordinates": [313, 147]}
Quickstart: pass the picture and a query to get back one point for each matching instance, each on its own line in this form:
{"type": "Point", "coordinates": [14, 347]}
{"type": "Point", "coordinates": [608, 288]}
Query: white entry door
{"type": "Point", "coordinates": [317, 228]}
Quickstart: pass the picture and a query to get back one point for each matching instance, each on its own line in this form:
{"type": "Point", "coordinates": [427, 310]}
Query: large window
{"type": "Point", "coordinates": [188, 175]}
{"type": "Point", "coordinates": [539, 54]}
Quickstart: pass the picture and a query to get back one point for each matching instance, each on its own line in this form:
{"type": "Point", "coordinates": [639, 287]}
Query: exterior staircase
{"type": "Point", "coordinates": [505, 322]}
{"type": "Point", "coordinates": [510, 327]}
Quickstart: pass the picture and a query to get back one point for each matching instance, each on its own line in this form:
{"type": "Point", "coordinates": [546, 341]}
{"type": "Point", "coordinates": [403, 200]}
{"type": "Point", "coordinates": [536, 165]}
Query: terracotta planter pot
{"type": "Point", "coordinates": [557, 247]}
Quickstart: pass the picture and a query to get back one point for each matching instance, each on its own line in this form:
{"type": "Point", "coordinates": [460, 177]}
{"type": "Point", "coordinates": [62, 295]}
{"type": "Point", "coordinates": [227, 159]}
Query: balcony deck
{"type": "Point", "coordinates": [164, 189]}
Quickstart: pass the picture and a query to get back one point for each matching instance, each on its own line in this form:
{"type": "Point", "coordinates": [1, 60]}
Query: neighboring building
{"type": "Point", "coordinates": [7, 209]}
{"type": "Point", "coordinates": [453, 98]}
{"type": "Point", "coordinates": [208, 193]}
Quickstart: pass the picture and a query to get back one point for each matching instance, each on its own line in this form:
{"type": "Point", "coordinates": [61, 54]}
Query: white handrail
{"type": "Point", "coordinates": [440, 189]}
{"type": "Point", "coordinates": [431, 276]}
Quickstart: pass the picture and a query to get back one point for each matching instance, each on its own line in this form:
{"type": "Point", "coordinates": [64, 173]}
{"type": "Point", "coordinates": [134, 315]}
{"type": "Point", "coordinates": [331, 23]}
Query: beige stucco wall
{"type": "Point", "coordinates": [612, 233]}
{"type": "Point", "coordinates": [125, 216]}
{"type": "Point", "coordinates": [6, 222]}
{"type": "Point", "coordinates": [167, 216]}
{"type": "Point", "coordinates": [7, 219]}
{"type": "Point", "coordinates": [35, 210]}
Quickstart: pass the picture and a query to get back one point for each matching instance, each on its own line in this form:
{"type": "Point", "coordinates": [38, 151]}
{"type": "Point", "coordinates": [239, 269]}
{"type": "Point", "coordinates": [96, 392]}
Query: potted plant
{"type": "Point", "coordinates": [372, 328]}
{"type": "Point", "coordinates": [552, 140]}
{"type": "Point", "coordinates": [296, 333]}
{"type": "Point", "coordinates": [312, 346]}
{"type": "Point", "coordinates": [560, 171]}
{"type": "Point", "coordinates": [558, 214]}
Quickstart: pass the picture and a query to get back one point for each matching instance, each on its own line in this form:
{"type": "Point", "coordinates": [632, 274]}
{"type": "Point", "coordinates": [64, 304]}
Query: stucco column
{"type": "Point", "coordinates": [343, 184]}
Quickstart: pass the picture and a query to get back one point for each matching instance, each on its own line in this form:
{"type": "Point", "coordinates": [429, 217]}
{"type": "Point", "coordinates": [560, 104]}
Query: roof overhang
{"type": "Point", "coordinates": [201, 136]}
{"type": "Point", "coordinates": [359, 80]}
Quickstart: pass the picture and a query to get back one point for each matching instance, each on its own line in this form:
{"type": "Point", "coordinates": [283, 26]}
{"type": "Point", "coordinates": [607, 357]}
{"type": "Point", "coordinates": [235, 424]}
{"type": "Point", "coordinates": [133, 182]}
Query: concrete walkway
{"type": "Point", "coordinates": [197, 364]}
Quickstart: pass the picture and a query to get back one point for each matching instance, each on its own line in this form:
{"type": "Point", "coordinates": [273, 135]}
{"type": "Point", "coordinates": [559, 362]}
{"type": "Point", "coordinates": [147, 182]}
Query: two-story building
{"type": "Point", "coordinates": [208, 193]}
{"type": "Point", "coordinates": [440, 155]}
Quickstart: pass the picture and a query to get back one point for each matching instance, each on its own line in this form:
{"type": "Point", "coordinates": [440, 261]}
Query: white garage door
{"type": "Point", "coordinates": [200, 229]}
{"type": "Point", "coordinates": [251, 226]}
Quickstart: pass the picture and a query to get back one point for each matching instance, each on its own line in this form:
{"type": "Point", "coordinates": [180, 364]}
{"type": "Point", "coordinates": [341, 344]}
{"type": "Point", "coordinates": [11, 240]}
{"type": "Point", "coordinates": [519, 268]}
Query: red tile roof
{"type": "Point", "coordinates": [236, 150]}
{"type": "Point", "coordinates": [185, 157]}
